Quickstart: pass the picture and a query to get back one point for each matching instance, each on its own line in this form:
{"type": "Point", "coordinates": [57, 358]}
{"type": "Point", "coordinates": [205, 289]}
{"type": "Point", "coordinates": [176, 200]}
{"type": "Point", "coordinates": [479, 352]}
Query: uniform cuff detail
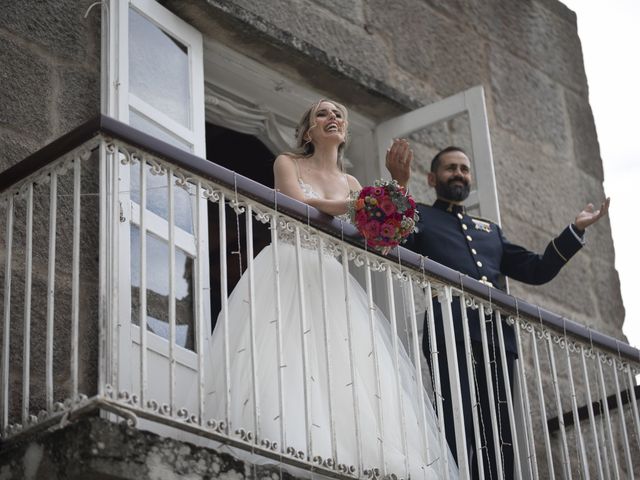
{"type": "Point", "coordinates": [576, 233]}
{"type": "Point", "coordinates": [553, 242]}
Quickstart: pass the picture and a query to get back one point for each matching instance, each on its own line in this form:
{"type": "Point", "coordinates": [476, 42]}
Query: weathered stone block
{"type": "Point", "coordinates": [536, 186]}
{"type": "Point", "coordinates": [543, 36]}
{"type": "Point", "coordinates": [351, 11]}
{"type": "Point", "coordinates": [15, 147]}
{"type": "Point", "coordinates": [527, 102]}
{"type": "Point", "coordinates": [59, 27]}
{"type": "Point", "coordinates": [26, 89]}
{"type": "Point", "coordinates": [429, 46]}
{"type": "Point", "coordinates": [585, 139]}
{"type": "Point", "coordinates": [79, 98]}
{"type": "Point", "coordinates": [336, 37]}
{"type": "Point", "coordinates": [452, 8]}
{"type": "Point", "coordinates": [606, 285]}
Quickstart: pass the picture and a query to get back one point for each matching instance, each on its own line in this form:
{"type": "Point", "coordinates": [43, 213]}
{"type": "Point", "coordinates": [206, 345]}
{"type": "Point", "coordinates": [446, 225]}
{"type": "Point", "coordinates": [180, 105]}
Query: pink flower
{"type": "Point", "coordinates": [387, 206]}
{"type": "Point", "coordinates": [371, 229]}
{"type": "Point", "coordinates": [388, 229]}
{"type": "Point", "coordinates": [378, 191]}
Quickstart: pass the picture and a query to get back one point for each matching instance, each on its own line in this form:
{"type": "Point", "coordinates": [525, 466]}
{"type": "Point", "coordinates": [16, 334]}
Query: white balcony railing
{"type": "Point", "coordinates": [120, 230]}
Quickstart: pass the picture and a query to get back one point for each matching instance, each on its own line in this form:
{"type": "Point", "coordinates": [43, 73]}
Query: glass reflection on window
{"type": "Point", "coordinates": [158, 68]}
{"type": "Point", "coordinates": [158, 289]}
{"type": "Point", "coordinates": [158, 197]}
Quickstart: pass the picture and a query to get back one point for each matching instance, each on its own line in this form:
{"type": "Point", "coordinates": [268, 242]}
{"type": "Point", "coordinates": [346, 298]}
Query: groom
{"type": "Point", "coordinates": [477, 247]}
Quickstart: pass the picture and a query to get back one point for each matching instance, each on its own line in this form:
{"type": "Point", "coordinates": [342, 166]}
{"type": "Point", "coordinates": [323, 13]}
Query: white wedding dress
{"type": "Point", "coordinates": [403, 449]}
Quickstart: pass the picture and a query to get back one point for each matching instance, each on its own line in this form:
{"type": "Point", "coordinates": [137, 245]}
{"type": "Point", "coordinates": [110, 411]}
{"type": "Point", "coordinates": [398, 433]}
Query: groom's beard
{"type": "Point", "coordinates": [451, 192]}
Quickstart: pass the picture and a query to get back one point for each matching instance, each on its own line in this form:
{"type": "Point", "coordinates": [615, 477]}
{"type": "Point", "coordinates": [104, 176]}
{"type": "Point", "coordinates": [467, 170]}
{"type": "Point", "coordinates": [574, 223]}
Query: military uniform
{"type": "Point", "coordinates": [477, 247]}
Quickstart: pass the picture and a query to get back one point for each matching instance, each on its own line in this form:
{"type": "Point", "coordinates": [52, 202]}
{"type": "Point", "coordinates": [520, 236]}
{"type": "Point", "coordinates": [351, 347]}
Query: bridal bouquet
{"type": "Point", "coordinates": [385, 214]}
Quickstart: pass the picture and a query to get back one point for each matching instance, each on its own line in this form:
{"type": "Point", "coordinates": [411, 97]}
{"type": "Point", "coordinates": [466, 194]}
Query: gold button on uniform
{"type": "Point", "coordinates": [469, 238]}
{"type": "Point", "coordinates": [464, 227]}
{"type": "Point", "coordinates": [479, 263]}
{"type": "Point", "coordinates": [473, 250]}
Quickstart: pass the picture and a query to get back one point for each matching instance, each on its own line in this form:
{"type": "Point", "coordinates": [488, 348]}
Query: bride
{"type": "Point", "coordinates": [321, 401]}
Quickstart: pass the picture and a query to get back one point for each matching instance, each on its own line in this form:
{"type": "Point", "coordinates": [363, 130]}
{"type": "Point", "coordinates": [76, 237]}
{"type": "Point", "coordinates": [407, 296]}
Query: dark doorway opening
{"type": "Point", "coordinates": [247, 156]}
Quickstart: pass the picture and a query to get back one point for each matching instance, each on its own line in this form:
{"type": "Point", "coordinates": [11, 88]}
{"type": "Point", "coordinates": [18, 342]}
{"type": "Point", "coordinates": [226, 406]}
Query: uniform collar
{"type": "Point", "coordinates": [449, 207]}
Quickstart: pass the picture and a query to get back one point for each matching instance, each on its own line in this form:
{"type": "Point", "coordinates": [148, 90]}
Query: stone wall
{"type": "Point", "coordinates": [49, 71]}
{"type": "Point", "coordinates": [50, 84]}
{"type": "Point", "coordinates": [383, 57]}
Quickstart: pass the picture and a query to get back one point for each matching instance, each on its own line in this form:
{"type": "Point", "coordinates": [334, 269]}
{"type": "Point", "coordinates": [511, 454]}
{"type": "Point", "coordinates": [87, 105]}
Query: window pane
{"type": "Point", "coordinates": [145, 125]}
{"type": "Point", "coordinates": [158, 197]}
{"type": "Point", "coordinates": [158, 289]}
{"type": "Point", "coordinates": [158, 68]}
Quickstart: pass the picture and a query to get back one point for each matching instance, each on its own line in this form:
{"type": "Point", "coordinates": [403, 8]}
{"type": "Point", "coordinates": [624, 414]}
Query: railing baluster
{"type": "Point", "coordinates": [490, 392]}
{"type": "Point", "coordinates": [279, 350]}
{"type": "Point", "coordinates": [475, 406]}
{"type": "Point", "coordinates": [543, 409]}
{"type": "Point", "coordinates": [75, 277]}
{"type": "Point", "coordinates": [396, 366]}
{"type": "Point", "coordinates": [114, 312]}
{"type": "Point", "coordinates": [634, 402]}
{"type": "Point", "coordinates": [623, 422]}
{"type": "Point", "coordinates": [199, 298]}
{"type": "Point", "coordinates": [566, 460]}
{"type": "Point", "coordinates": [352, 366]}
{"type": "Point", "coordinates": [592, 420]}
{"type": "Point", "coordinates": [224, 310]}
{"type": "Point", "coordinates": [6, 336]}
{"type": "Point", "coordinates": [417, 353]}
{"type": "Point", "coordinates": [607, 419]}
{"type": "Point", "coordinates": [532, 460]}
{"type": "Point", "coordinates": [509, 398]}
{"type": "Point", "coordinates": [172, 294]}
{"type": "Point", "coordinates": [26, 345]}
{"type": "Point", "coordinates": [435, 367]}
{"type": "Point", "coordinates": [142, 294]}
{"type": "Point", "coordinates": [327, 350]}
{"type": "Point", "coordinates": [605, 450]}
{"type": "Point", "coordinates": [102, 268]}
{"type": "Point", "coordinates": [304, 331]}
{"type": "Point", "coordinates": [252, 322]}
{"type": "Point", "coordinates": [576, 418]}
{"type": "Point", "coordinates": [51, 287]}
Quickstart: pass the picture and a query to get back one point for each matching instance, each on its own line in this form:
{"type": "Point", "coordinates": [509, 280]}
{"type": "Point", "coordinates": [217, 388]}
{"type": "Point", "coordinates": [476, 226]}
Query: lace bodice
{"type": "Point", "coordinates": [309, 192]}
{"type": "Point", "coordinates": [289, 237]}
{"type": "Point", "coordinates": [307, 189]}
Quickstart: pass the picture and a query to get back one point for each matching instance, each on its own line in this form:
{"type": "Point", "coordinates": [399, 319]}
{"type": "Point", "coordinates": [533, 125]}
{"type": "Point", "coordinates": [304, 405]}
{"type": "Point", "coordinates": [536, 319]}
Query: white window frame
{"type": "Point", "coordinates": [117, 103]}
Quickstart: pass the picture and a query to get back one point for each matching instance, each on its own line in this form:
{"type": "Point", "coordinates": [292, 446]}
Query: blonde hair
{"type": "Point", "coordinates": [303, 146]}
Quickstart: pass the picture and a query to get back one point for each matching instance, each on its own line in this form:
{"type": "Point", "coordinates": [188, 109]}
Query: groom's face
{"type": "Point", "coordinates": [452, 178]}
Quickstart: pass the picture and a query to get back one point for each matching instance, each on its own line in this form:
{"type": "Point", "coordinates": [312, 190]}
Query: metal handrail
{"type": "Point", "coordinates": [103, 124]}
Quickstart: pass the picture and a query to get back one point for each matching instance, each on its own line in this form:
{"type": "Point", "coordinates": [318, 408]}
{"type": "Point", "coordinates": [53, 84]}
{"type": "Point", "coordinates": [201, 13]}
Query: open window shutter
{"type": "Point", "coordinates": [484, 198]}
{"type": "Point", "coordinates": [156, 73]}
{"type": "Point", "coordinates": [155, 83]}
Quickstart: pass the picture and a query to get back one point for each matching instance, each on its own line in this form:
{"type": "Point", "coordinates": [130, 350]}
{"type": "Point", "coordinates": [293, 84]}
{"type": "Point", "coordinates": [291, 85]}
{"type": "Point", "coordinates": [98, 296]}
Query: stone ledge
{"type": "Point", "coordinates": [252, 34]}
{"type": "Point", "coordinates": [98, 449]}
